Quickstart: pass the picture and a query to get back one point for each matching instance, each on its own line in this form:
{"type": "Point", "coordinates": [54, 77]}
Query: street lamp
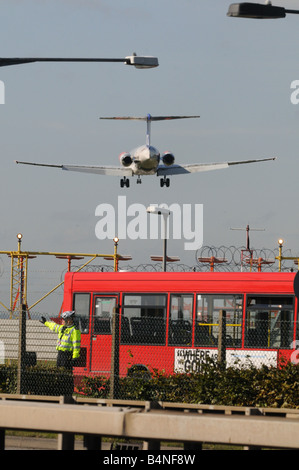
{"type": "Point", "coordinates": [165, 213]}
{"type": "Point", "coordinates": [19, 237]}
{"type": "Point", "coordinates": [280, 243]}
{"type": "Point", "coordinates": [140, 62]}
{"type": "Point", "coordinates": [258, 10]}
{"type": "Point", "coordinates": [116, 240]}
{"type": "Point", "coordinates": [116, 257]}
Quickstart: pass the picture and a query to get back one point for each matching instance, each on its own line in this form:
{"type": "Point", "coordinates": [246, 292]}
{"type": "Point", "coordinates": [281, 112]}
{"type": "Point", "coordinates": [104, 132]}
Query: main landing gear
{"type": "Point", "coordinates": [124, 182]}
{"type": "Point", "coordinates": [164, 181]}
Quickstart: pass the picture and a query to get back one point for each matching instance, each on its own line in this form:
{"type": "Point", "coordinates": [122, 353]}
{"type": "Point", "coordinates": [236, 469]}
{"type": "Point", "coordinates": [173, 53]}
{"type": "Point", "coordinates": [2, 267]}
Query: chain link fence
{"type": "Point", "coordinates": [147, 345]}
{"type": "Point", "coordinates": [143, 348]}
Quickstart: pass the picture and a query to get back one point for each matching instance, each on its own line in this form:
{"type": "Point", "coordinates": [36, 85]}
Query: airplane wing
{"type": "Point", "coordinates": [100, 170]}
{"type": "Point", "coordinates": [161, 171]}
{"type": "Point", "coordinates": [196, 167]}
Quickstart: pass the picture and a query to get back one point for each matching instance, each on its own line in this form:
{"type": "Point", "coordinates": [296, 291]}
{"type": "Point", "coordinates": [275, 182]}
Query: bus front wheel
{"type": "Point", "coordinates": [139, 371]}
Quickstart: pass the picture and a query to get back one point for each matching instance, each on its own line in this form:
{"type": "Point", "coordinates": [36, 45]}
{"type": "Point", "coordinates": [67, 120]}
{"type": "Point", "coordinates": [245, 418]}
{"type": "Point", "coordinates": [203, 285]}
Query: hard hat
{"type": "Point", "coordinates": [68, 314]}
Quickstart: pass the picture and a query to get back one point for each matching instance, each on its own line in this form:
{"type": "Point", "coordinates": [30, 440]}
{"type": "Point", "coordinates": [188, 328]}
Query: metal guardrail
{"type": "Point", "coordinates": [149, 422]}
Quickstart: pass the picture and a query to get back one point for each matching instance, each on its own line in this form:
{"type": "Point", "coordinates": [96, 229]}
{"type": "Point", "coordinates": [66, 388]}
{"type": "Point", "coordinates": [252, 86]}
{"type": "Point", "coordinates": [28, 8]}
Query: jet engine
{"type": "Point", "coordinates": [168, 158]}
{"type": "Point", "coordinates": [125, 159]}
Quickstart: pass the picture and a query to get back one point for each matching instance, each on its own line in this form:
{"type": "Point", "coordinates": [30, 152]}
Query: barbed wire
{"type": "Point", "coordinates": [241, 258]}
{"type": "Point", "coordinates": [224, 258]}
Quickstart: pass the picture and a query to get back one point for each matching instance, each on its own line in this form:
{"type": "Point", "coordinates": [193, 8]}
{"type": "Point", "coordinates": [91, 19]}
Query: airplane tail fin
{"type": "Point", "coordinates": [148, 118]}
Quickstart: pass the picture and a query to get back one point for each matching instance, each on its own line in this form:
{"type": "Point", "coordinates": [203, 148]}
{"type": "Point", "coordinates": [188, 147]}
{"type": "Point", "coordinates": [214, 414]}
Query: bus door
{"type": "Point", "coordinates": [101, 332]}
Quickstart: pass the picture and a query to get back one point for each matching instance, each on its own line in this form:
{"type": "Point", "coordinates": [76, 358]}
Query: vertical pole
{"type": "Point", "coordinates": [153, 444]}
{"type": "Point", "coordinates": [66, 440]}
{"type": "Point", "coordinates": [279, 257]}
{"type": "Point", "coordinates": [92, 442]}
{"type": "Point", "coordinates": [114, 376]}
{"type": "Point", "coordinates": [222, 339]}
{"type": "Point", "coordinates": [164, 254]}
{"type": "Point", "coordinates": [115, 254]}
{"type": "Point", "coordinates": [22, 323]}
{"type": "Point", "coordinates": [21, 350]}
{"type": "Point", "coordinates": [11, 284]}
{"type": "Point", "coordinates": [165, 242]}
{"type": "Point", "coordinates": [2, 439]}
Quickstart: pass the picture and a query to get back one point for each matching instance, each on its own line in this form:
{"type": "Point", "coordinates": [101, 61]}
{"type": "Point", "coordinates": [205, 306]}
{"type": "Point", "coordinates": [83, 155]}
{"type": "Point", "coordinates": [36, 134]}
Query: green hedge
{"type": "Point", "coordinates": [37, 380]}
{"type": "Point", "coordinates": [234, 386]}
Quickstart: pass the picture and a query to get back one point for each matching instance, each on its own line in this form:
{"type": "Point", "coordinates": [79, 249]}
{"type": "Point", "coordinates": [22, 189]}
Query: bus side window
{"type": "Point", "coordinates": [102, 319]}
{"type": "Point", "coordinates": [269, 322]}
{"type": "Point", "coordinates": [143, 319]}
{"type": "Point", "coordinates": [207, 319]}
{"type": "Point", "coordinates": [180, 321]}
{"type": "Point", "coordinates": [81, 305]}
{"type": "Point", "coordinates": [125, 330]}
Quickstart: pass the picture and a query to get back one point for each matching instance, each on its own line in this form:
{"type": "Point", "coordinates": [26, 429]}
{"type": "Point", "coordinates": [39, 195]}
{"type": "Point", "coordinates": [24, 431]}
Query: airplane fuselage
{"type": "Point", "coordinates": [145, 160]}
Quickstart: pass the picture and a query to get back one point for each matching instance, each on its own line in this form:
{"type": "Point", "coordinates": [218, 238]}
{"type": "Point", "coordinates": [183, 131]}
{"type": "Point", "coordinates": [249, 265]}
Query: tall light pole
{"type": "Point", "coordinates": [140, 62]}
{"type": "Point", "coordinates": [280, 257]}
{"type": "Point", "coordinates": [22, 322]}
{"type": "Point", "coordinates": [280, 243]}
{"type": "Point", "coordinates": [165, 213]}
{"type": "Point", "coordinates": [115, 239]}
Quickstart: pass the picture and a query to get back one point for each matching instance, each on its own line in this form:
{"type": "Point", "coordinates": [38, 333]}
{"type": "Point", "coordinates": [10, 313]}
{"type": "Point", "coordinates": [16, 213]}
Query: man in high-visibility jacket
{"type": "Point", "coordinates": [69, 339]}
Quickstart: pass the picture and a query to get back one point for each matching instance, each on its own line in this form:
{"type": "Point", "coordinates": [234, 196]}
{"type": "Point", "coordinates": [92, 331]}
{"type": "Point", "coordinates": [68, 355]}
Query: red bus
{"type": "Point", "coordinates": [169, 320]}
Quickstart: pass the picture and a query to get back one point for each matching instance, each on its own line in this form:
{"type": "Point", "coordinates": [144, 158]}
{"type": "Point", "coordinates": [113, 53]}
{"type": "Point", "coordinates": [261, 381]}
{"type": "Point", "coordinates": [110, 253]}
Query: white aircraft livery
{"type": "Point", "coordinates": [146, 160]}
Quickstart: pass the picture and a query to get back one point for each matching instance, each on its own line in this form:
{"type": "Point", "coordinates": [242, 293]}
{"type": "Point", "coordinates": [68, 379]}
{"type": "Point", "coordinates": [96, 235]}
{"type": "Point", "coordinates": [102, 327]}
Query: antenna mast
{"type": "Point", "coordinates": [247, 254]}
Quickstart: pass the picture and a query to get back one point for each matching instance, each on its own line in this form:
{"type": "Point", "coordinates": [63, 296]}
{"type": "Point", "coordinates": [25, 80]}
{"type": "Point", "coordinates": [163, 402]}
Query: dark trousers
{"type": "Point", "coordinates": [64, 359]}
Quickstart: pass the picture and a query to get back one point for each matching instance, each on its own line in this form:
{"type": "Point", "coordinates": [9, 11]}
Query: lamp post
{"type": "Point", "coordinates": [140, 62]}
{"type": "Point", "coordinates": [22, 322]}
{"type": "Point", "coordinates": [115, 239]}
{"type": "Point", "coordinates": [258, 10]}
{"type": "Point", "coordinates": [280, 257]}
{"type": "Point", "coordinates": [280, 243]}
{"type": "Point", "coordinates": [21, 270]}
{"type": "Point", "coordinates": [165, 213]}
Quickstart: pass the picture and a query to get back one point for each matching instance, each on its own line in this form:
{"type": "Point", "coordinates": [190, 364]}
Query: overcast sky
{"type": "Point", "coordinates": [235, 73]}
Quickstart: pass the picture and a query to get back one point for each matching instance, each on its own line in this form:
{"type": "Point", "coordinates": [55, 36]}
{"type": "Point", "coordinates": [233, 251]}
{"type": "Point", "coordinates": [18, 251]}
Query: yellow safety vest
{"type": "Point", "coordinates": [69, 338]}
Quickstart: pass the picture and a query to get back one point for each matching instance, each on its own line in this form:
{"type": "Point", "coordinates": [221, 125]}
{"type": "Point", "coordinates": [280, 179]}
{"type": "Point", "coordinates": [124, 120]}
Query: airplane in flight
{"type": "Point", "coordinates": [145, 160]}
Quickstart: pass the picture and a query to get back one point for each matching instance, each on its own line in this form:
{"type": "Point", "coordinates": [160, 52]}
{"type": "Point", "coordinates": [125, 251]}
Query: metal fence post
{"type": "Point", "coordinates": [222, 338]}
{"type": "Point", "coordinates": [66, 440]}
{"type": "Point", "coordinates": [2, 439]}
{"type": "Point", "coordinates": [114, 376]}
{"type": "Point", "coordinates": [21, 350]}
